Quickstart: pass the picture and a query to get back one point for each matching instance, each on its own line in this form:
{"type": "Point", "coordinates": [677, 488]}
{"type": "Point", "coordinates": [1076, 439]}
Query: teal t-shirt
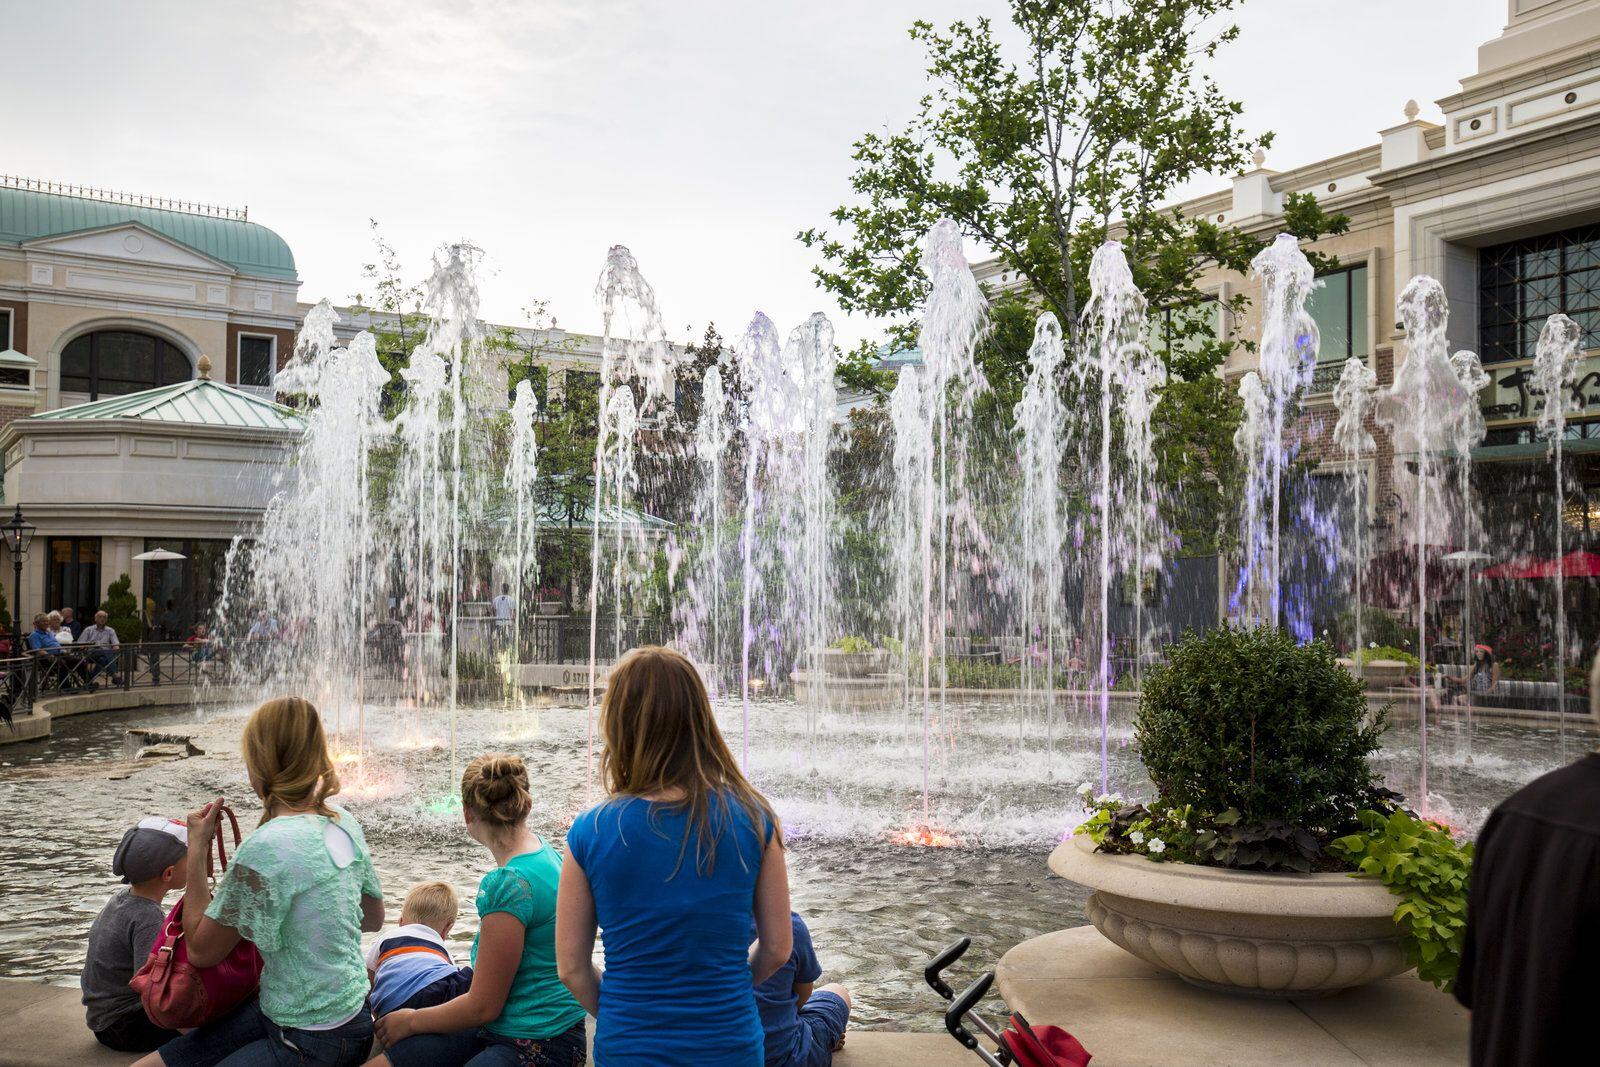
{"type": "Point", "coordinates": [295, 889]}
{"type": "Point", "coordinates": [538, 1005]}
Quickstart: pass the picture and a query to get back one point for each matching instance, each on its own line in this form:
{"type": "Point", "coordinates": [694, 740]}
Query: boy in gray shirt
{"type": "Point", "coordinates": [151, 859]}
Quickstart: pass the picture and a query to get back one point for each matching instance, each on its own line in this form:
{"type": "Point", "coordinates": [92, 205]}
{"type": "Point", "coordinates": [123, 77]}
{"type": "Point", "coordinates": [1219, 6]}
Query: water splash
{"type": "Point", "coordinates": [1555, 365]}
{"type": "Point", "coordinates": [1353, 398]}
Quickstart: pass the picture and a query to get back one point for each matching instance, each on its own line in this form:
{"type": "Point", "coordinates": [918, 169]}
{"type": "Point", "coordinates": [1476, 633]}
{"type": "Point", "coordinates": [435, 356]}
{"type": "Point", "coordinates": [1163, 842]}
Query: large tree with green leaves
{"type": "Point", "coordinates": [1084, 123]}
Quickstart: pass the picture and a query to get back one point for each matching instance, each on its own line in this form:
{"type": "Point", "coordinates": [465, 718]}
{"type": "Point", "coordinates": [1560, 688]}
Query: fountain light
{"type": "Point", "coordinates": [926, 835]}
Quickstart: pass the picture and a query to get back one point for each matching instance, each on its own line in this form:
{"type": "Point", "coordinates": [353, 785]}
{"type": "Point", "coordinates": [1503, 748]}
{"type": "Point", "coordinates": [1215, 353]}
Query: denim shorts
{"type": "Point", "coordinates": [823, 1018]}
{"type": "Point", "coordinates": [480, 1048]}
{"type": "Point", "coordinates": [247, 1038]}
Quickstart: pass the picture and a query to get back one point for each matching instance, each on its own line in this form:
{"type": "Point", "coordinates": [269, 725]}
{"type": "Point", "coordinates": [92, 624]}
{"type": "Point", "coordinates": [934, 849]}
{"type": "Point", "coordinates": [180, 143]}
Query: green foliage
{"type": "Point", "coordinates": [1364, 656]}
{"type": "Point", "coordinates": [1250, 721]}
{"type": "Point", "coordinates": [1102, 112]}
{"type": "Point", "coordinates": [854, 643]}
{"type": "Point", "coordinates": [1422, 865]}
{"type": "Point", "coordinates": [123, 608]}
{"type": "Point", "coordinates": [1180, 834]}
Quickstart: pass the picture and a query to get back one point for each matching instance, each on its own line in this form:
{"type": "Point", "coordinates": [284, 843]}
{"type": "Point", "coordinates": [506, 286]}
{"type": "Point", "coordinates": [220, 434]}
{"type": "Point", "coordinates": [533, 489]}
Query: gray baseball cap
{"type": "Point", "coordinates": [150, 848]}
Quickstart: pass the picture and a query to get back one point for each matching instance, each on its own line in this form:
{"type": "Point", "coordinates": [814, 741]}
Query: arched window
{"type": "Point", "coordinates": [113, 362]}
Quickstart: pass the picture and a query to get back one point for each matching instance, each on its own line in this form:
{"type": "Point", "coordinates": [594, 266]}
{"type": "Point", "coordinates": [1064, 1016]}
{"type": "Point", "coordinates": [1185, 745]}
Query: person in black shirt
{"type": "Point", "coordinates": [1530, 967]}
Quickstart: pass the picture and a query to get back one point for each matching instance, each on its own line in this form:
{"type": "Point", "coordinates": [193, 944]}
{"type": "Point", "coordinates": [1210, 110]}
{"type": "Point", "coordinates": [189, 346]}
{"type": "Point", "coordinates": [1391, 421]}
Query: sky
{"type": "Point", "coordinates": [703, 134]}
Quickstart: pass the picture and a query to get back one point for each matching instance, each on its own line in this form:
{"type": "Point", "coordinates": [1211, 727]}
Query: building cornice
{"type": "Point", "coordinates": [1480, 164]}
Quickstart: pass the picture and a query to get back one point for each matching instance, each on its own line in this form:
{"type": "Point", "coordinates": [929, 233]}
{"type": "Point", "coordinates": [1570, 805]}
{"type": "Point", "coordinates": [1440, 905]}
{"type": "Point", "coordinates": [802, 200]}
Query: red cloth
{"type": "Point", "coordinates": [1043, 1046]}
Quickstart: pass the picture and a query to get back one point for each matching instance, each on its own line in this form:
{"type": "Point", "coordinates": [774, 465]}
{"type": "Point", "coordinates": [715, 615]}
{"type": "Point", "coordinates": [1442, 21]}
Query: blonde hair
{"type": "Point", "coordinates": [661, 736]}
{"type": "Point", "coordinates": [433, 904]}
{"type": "Point", "coordinates": [494, 788]}
{"type": "Point", "coordinates": [285, 749]}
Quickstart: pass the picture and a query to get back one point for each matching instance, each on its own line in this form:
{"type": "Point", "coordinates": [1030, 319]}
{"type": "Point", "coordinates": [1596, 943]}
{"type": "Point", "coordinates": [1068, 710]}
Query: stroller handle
{"type": "Point", "coordinates": [963, 1004]}
{"type": "Point", "coordinates": [930, 974]}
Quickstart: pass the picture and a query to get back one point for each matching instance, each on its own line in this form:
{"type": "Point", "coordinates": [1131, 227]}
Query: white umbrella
{"type": "Point", "coordinates": [159, 553]}
{"type": "Point", "coordinates": [1467, 555]}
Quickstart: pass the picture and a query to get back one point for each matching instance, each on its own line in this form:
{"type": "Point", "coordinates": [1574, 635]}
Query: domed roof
{"type": "Point", "coordinates": [250, 248]}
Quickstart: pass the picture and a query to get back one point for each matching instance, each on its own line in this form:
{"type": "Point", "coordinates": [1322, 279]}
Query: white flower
{"type": "Point", "coordinates": [1137, 837]}
{"type": "Point", "coordinates": [1157, 845]}
{"type": "Point", "coordinates": [1372, 644]}
{"type": "Point", "coordinates": [1104, 799]}
{"type": "Point", "coordinates": [1085, 789]}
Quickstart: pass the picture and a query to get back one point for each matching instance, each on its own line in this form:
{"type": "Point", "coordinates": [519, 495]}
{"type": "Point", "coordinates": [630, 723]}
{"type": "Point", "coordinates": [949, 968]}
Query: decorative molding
{"type": "Point", "coordinates": [1476, 124]}
{"type": "Point", "coordinates": [96, 282]}
{"type": "Point", "coordinates": [129, 241]}
{"type": "Point", "coordinates": [42, 274]}
{"type": "Point", "coordinates": [216, 294]}
{"type": "Point", "coordinates": [263, 301]}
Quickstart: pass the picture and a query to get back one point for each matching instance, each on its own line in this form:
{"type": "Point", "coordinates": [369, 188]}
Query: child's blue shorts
{"type": "Point", "coordinates": [823, 1018]}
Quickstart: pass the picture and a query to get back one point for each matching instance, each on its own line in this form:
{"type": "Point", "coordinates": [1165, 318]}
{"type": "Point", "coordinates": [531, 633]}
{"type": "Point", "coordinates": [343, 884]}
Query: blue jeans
{"type": "Point", "coordinates": [247, 1038]}
{"type": "Point", "coordinates": [480, 1048]}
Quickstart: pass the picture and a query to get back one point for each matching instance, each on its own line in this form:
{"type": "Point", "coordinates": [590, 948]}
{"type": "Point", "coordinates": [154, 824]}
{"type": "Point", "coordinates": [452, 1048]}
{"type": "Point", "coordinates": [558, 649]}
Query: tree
{"type": "Point", "coordinates": [1099, 120]}
{"type": "Point", "coordinates": [123, 608]}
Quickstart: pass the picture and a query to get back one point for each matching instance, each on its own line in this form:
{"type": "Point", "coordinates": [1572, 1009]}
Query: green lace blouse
{"type": "Point", "coordinates": [285, 891]}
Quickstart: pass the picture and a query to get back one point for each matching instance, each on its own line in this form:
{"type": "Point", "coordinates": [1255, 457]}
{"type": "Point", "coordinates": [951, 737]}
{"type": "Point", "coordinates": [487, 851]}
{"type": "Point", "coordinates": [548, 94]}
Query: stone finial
{"type": "Point", "coordinates": [1258, 157]}
{"type": "Point", "coordinates": [204, 367]}
{"type": "Point", "coordinates": [1412, 110]}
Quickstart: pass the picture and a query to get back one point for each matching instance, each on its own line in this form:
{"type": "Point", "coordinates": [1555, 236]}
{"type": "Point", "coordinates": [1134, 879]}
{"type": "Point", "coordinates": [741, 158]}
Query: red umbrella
{"type": "Point", "coordinates": [1577, 564]}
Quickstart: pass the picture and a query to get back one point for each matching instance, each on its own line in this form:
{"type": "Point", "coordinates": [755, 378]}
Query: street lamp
{"type": "Point", "coordinates": [19, 534]}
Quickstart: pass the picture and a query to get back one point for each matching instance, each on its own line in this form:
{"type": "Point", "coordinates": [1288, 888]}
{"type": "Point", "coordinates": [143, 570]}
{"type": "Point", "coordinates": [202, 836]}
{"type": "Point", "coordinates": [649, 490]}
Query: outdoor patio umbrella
{"type": "Point", "coordinates": [159, 553]}
{"type": "Point", "coordinates": [1577, 564]}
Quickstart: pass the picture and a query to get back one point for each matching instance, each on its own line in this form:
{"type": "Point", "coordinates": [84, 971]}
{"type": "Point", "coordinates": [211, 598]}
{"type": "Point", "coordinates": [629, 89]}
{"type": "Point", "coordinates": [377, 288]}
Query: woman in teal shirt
{"type": "Point", "coordinates": [303, 889]}
{"type": "Point", "coordinates": [516, 1012]}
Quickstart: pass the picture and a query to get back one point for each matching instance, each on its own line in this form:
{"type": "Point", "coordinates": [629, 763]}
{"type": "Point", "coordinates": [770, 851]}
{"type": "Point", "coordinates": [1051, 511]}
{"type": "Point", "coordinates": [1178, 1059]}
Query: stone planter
{"type": "Point", "coordinates": [1380, 673]}
{"type": "Point", "coordinates": [1265, 935]}
{"type": "Point", "coordinates": [549, 607]}
{"type": "Point", "coordinates": [839, 664]}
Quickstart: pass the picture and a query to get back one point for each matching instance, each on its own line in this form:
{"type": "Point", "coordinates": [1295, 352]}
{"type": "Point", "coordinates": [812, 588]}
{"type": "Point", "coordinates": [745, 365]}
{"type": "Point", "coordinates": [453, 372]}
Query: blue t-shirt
{"type": "Point", "coordinates": [677, 942]}
{"type": "Point", "coordinates": [775, 998]}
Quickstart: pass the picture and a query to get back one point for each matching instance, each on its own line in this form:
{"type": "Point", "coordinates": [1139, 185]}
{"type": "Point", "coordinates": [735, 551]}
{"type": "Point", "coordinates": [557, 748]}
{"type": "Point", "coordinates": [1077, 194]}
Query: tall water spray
{"type": "Point", "coordinates": [1288, 357]}
{"type": "Point", "coordinates": [700, 611]}
{"type": "Point", "coordinates": [1117, 376]}
{"type": "Point", "coordinates": [1470, 430]}
{"type": "Point", "coordinates": [932, 420]}
{"type": "Point", "coordinates": [520, 478]}
{"type": "Point", "coordinates": [636, 380]}
{"type": "Point", "coordinates": [1421, 411]}
{"type": "Point", "coordinates": [1041, 419]}
{"type": "Point", "coordinates": [1555, 365]}
{"type": "Point", "coordinates": [1352, 398]}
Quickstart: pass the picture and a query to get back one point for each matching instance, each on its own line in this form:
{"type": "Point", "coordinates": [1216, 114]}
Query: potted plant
{"type": "Point", "coordinates": [550, 600]}
{"type": "Point", "coordinates": [1383, 666]}
{"type": "Point", "coordinates": [853, 656]}
{"type": "Point", "coordinates": [1236, 875]}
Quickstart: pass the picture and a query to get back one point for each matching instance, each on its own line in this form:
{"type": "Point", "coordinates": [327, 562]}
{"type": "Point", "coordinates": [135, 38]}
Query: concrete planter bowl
{"type": "Point", "coordinates": [840, 664]}
{"type": "Point", "coordinates": [1380, 673]}
{"type": "Point", "coordinates": [1245, 932]}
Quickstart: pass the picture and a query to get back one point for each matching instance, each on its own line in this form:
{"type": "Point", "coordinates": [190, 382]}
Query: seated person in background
{"type": "Point", "coordinates": [804, 1025]}
{"type": "Point", "coordinates": [40, 639]}
{"type": "Point", "coordinates": [412, 968]}
{"type": "Point", "coordinates": [201, 648]}
{"type": "Point", "coordinates": [152, 858]}
{"type": "Point", "coordinates": [100, 644]}
{"type": "Point", "coordinates": [71, 623]}
{"type": "Point", "coordinates": [62, 635]}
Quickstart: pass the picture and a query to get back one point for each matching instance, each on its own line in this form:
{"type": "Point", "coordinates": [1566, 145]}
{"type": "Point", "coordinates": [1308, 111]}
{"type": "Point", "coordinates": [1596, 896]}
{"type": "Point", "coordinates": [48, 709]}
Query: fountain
{"type": "Point", "coordinates": [1555, 364]}
{"type": "Point", "coordinates": [1352, 398]}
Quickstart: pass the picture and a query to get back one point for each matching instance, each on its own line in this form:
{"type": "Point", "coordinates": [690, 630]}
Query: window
{"type": "Point", "coordinates": [1339, 308]}
{"type": "Point", "coordinates": [256, 362]}
{"type": "Point", "coordinates": [181, 592]}
{"type": "Point", "coordinates": [73, 578]}
{"type": "Point", "coordinates": [113, 362]}
{"type": "Point", "coordinates": [6, 340]}
{"type": "Point", "coordinates": [1182, 328]}
{"type": "Point", "coordinates": [1523, 283]}
{"type": "Point", "coordinates": [580, 388]}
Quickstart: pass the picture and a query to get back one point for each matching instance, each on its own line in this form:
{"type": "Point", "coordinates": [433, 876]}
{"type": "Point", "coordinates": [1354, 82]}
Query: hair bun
{"type": "Point", "coordinates": [495, 788]}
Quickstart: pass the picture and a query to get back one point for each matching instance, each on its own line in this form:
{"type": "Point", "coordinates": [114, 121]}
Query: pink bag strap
{"type": "Point", "coordinates": [221, 860]}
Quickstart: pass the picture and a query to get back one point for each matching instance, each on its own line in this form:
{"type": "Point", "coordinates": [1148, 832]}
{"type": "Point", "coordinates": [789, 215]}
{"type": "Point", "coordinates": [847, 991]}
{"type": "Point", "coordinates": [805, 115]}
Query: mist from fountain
{"type": "Point", "coordinates": [1423, 411]}
{"type": "Point", "coordinates": [1353, 396]}
{"type": "Point", "coordinates": [1555, 365]}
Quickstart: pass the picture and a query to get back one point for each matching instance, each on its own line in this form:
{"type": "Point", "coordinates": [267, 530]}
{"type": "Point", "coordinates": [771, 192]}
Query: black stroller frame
{"type": "Point", "coordinates": [962, 1004]}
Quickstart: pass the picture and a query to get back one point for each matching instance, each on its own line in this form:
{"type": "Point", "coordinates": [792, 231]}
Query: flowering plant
{"type": "Point", "coordinates": [1178, 833]}
{"type": "Point", "coordinates": [550, 592]}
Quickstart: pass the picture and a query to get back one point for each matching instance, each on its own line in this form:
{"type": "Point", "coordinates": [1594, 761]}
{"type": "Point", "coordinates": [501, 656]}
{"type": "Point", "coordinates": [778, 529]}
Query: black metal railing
{"type": "Point", "coordinates": [565, 638]}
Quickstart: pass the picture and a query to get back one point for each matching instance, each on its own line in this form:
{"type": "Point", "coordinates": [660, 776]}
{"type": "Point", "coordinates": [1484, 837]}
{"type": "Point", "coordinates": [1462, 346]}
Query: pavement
{"type": "Point", "coordinates": [1129, 1014]}
{"type": "Point", "coordinates": [42, 1026]}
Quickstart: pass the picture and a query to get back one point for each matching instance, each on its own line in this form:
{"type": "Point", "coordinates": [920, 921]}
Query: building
{"type": "Point", "coordinates": [114, 441]}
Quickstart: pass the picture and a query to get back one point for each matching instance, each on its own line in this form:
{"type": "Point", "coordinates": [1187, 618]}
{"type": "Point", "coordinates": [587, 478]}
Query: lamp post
{"type": "Point", "coordinates": [19, 534]}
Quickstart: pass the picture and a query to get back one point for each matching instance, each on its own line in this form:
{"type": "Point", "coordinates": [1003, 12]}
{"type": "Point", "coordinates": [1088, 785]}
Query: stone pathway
{"type": "Point", "coordinates": [1128, 1014]}
{"type": "Point", "coordinates": [42, 1026]}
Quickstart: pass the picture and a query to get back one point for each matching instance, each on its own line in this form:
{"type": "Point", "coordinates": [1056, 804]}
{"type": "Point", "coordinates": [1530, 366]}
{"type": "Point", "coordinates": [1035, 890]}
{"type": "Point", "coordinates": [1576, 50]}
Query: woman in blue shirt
{"type": "Point", "coordinates": [673, 867]}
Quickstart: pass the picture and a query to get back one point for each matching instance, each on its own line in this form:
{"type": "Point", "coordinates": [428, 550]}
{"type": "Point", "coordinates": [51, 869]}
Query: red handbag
{"type": "Point", "coordinates": [175, 993]}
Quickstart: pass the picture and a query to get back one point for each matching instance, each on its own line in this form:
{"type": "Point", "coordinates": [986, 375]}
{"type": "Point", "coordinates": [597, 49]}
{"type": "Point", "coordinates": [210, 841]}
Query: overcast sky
{"type": "Point", "coordinates": [701, 133]}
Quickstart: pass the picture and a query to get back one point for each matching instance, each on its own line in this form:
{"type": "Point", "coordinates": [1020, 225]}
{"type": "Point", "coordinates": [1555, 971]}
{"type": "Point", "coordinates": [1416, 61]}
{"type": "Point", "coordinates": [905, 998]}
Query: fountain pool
{"type": "Point", "coordinates": [847, 793]}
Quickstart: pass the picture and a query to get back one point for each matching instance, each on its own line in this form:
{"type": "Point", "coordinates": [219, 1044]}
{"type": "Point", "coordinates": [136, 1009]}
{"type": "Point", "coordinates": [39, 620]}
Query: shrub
{"type": "Point", "coordinates": [1250, 722]}
{"type": "Point", "coordinates": [1422, 865]}
{"type": "Point", "coordinates": [1399, 655]}
{"type": "Point", "coordinates": [853, 644]}
{"type": "Point", "coordinates": [123, 607]}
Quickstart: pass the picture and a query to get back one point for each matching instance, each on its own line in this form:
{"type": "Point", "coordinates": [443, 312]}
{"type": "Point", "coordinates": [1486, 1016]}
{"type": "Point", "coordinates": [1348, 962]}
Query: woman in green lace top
{"type": "Point", "coordinates": [303, 889]}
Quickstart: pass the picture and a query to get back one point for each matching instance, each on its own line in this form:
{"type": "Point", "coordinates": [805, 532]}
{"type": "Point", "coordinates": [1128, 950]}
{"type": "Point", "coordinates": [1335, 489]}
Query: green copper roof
{"type": "Point", "coordinates": [250, 248]}
{"type": "Point", "coordinates": [200, 402]}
